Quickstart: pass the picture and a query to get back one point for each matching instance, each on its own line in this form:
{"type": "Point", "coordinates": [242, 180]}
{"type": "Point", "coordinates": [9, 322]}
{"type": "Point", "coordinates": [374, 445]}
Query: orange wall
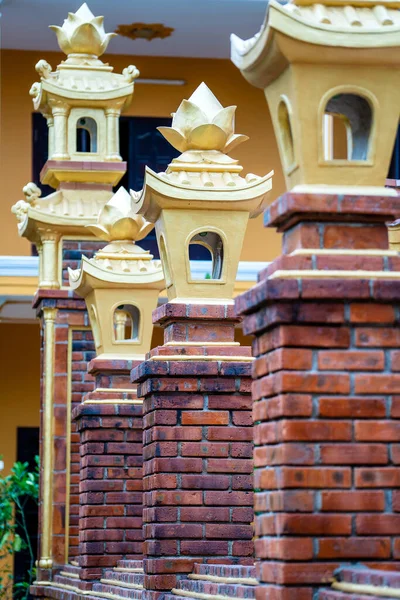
{"type": "Point", "coordinates": [20, 389]}
{"type": "Point", "coordinates": [259, 155]}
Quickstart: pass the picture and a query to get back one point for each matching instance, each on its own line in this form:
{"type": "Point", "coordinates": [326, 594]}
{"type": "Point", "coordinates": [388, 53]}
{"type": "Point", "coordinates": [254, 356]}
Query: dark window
{"type": "Point", "coordinates": [210, 245]}
{"type": "Point", "coordinates": [86, 135]}
{"type": "Point", "coordinates": [140, 145]}
{"type": "Point", "coordinates": [394, 169]}
{"type": "Point", "coordinates": [40, 143]}
{"type": "Point", "coordinates": [355, 112]}
{"type": "Point", "coordinates": [82, 140]}
{"type": "Point", "coordinates": [27, 449]}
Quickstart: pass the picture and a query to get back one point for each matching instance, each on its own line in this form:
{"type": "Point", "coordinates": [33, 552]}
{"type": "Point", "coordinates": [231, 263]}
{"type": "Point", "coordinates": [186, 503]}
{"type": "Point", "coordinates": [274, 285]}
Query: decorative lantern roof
{"type": "Point", "coordinates": [121, 283]}
{"type": "Point", "coordinates": [83, 39]}
{"type": "Point", "coordinates": [202, 199]}
{"type": "Point", "coordinates": [83, 33]}
{"type": "Point", "coordinates": [330, 71]}
{"type": "Point", "coordinates": [81, 101]}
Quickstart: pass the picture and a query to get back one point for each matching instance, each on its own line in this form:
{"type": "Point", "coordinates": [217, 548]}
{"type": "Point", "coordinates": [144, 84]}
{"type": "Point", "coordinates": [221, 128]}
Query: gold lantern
{"type": "Point", "coordinates": [121, 283]}
{"type": "Point", "coordinates": [202, 199]}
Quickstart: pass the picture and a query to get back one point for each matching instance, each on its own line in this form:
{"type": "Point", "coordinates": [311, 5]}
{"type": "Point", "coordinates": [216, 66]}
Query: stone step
{"type": "Point", "coordinates": [335, 595]}
{"type": "Point", "coordinates": [362, 583]}
{"type": "Point", "coordinates": [124, 577]}
{"type": "Point", "coordinates": [129, 564]}
{"type": "Point", "coordinates": [216, 582]}
{"type": "Point", "coordinates": [71, 569]}
{"type": "Point", "coordinates": [194, 587]}
{"type": "Point", "coordinates": [175, 595]}
{"type": "Point", "coordinates": [66, 580]}
{"type": "Point", "coordinates": [231, 571]}
{"type": "Point", "coordinates": [366, 576]}
{"type": "Point", "coordinates": [122, 591]}
{"type": "Point", "coordinates": [103, 592]}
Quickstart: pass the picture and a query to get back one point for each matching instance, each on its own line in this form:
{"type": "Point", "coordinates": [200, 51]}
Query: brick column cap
{"type": "Point", "coordinates": [193, 368]}
{"type": "Point", "coordinates": [209, 312]}
{"type": "Point", "coordinates": [112, 366]}
{"type": "Point", "coordinates": [58, 295]}
{"type": "Point", "coordinates": [85, 410]}
{"type": "Point", "coordinates": [292, 207]}
{"type": "Point", "coordinates": [272, 290]}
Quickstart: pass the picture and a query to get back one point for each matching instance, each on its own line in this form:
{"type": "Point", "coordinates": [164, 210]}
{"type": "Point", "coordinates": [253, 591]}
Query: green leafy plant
{"type": "Point", "coordinates": [16, 489]}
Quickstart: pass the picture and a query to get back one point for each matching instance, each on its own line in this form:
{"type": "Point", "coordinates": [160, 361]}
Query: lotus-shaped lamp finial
{"type": "Point", "coordinates": [118, 221]}
{"type": "Point", "coordinates": [82, 33]}
{"type": "Point", "coordinates": [201, 123]}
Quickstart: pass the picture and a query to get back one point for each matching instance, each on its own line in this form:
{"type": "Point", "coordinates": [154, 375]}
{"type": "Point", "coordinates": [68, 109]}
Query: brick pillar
{"type": "Point", "coordinates": [197, 445]}
{"type": "Point", "coordinates": [325, 318]}
{"type": "Point", "coordinates": [109, 421]}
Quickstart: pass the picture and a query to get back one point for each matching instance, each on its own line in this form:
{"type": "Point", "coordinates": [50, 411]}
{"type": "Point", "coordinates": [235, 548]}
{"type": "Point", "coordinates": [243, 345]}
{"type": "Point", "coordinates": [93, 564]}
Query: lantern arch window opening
{"type": "Point", "coordinates": [348, 126]}
{"type": "Point", "coordinates": [286, 134]}
{"type": "Point", "coordinates": [213, 244]}
{"type": "Point", "coordinates": [86, 135]}
{"type": "Point", "coordinates": [126, 323]}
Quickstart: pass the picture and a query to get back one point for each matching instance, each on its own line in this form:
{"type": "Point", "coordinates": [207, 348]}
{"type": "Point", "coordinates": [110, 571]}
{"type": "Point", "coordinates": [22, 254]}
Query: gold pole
{"type": "Point", "coordinates": [120, 318]}
{"type": "Point", "coordinates": [49, 260]}
{"type": "Point", "coordinates": [45, 560]}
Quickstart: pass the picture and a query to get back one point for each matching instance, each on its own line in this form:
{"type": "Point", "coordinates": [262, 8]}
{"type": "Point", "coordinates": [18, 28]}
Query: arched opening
{"type": "Point", "coordinates": [212, 247]}
{"type": "Point", "coordinates": [347, 127]}
{"type": "Point", "coordinates": [86, 135]}
{"type": "Point", "coordinates": [286, 134]}
{"type": "Point", "coordinates": [126, 323]}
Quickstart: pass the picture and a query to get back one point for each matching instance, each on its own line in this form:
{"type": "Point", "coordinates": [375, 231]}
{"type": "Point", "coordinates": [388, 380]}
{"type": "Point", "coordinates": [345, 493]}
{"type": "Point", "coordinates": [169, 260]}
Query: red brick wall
{"type": "Point", "coordinates": [81, 383]}
{"type": "Point", "coordinates": [197, 451]}
{"type": "Point", "coordinates": [326, 453]}
{"type": "Point", "coordinates": [72, 251]}
{"type": "Point", "coordinates": [325, 404]}
{"type": "Point", "coordinates": [111, 458]}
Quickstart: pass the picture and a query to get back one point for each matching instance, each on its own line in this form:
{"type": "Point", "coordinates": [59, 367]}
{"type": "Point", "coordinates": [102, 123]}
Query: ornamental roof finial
{"type": "Point", "coordinates": [83, 33]}
{"type": "Point", "coordinates": [201, 124]}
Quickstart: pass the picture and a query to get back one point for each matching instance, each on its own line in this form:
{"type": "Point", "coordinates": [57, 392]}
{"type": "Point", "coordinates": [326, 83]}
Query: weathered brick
{"type": "Point", "coordinates": [351, 454]}
{"type": "Point", "coordinates": [354, 548]}
{"type": "Point", "coordinates": [377, 431]}
{"type": "Point", "coordinates": [351, 361]}
{"type": "Point", "coordinates": [378, 524]}
{"type": "Point", "coordinates": [352, 501]}
{"type": "Point", "coordinates": [362, 407]}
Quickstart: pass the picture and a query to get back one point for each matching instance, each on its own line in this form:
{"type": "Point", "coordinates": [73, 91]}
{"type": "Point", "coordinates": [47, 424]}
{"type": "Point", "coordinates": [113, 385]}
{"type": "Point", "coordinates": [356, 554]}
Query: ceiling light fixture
{"type": "Point", "coordinates": [144, 31]}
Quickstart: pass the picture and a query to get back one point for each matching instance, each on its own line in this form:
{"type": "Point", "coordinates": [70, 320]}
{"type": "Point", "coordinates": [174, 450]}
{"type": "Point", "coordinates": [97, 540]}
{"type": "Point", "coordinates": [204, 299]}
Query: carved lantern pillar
{"type": "Point", "coordinates": [325, 313]}
{"type": "Point", "coordinates": [75, 99]}
{"type": "Point", "coordinates": [196, 386]}
{"type": "Point", "coordinates": [120, 286]}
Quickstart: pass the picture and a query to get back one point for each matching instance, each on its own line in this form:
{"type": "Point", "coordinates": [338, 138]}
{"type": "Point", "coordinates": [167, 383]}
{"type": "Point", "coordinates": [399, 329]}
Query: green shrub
{"type": "Point", "coordinates": [15, 491]}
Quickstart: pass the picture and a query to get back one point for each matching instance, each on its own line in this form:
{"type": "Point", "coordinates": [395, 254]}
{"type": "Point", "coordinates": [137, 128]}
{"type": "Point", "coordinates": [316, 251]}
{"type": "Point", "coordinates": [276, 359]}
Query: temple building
{"type": "Point", "coordinates": [199, 314]}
